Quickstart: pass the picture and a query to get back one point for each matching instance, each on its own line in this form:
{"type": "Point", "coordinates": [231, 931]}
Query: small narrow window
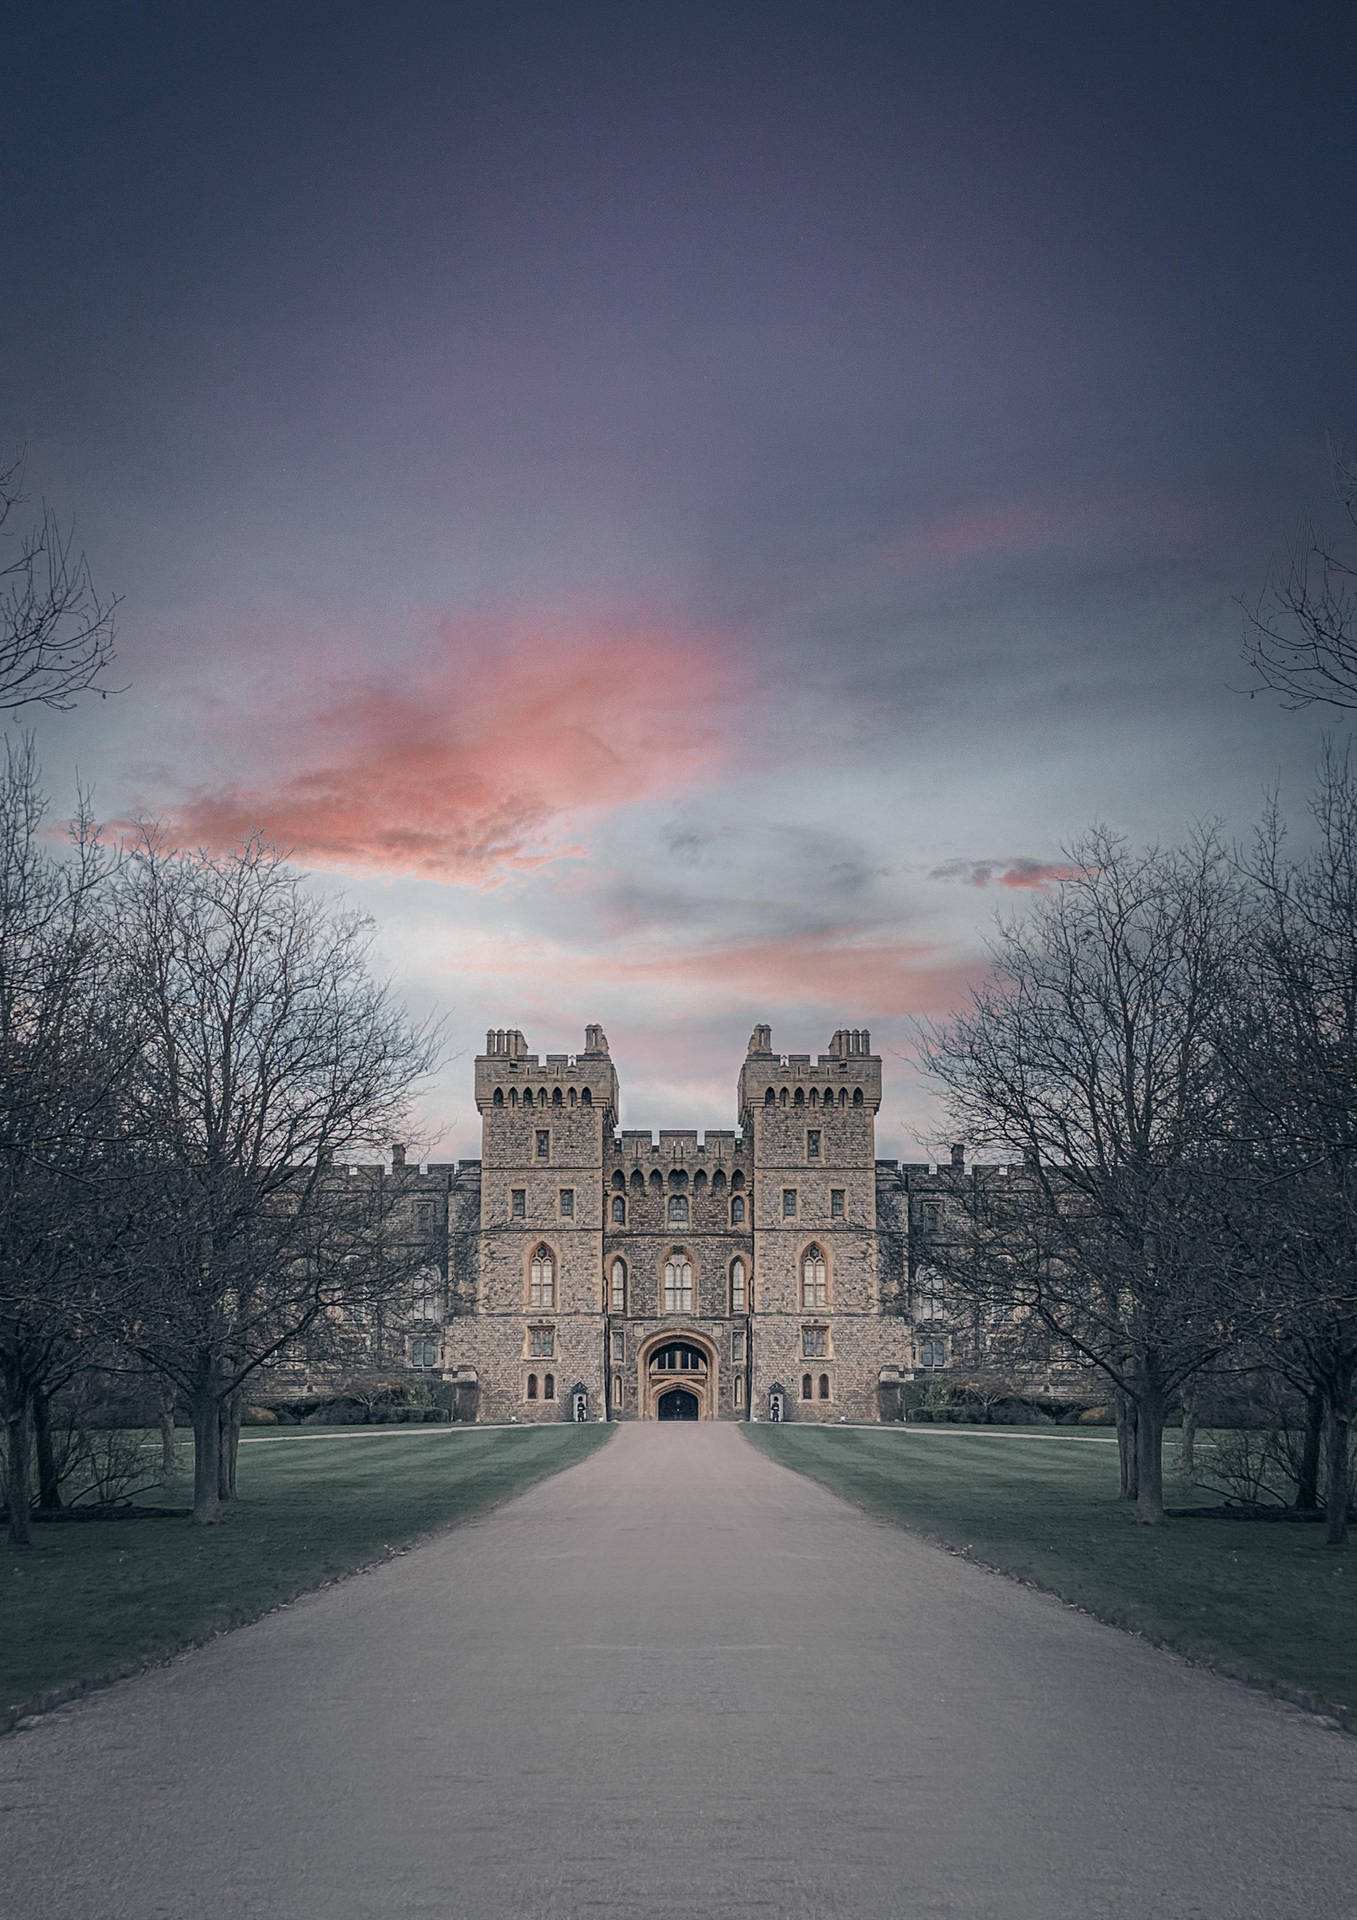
{"type": "Point", "coordinates": [638, 1181]}
{"type": "Point", "coordinates": [813, 1143]}
{"type": "Point", "coordinates": [619, 1346]}
{"type": "Point", "coordinates": [532, 1386]}
{"type": "Point", "coordinates": [527, 1096]}
{"type": "Point", "coordinates": [558, 1098]}
{"type": "Point", "coordinates": [836, 1203]}
{"type": "Point", "coordinates": [586, 1098]}
{"type": "Point", "coordinates": [737, 1211]}
{"type": "Point", "coordinates": [518, 1203]}
{"type": "Point", "coordinates": [737, 1181]}
{"type": "Point", "coordinates": [737, 1348]}
{"type": "Point", "coordinates": [789, 1203]}
{"type": "Point", "coordinates": [567, 1203]}
{"type": "Point", "coordinates": [543, 1143]}
{"type": "Point", "coordinates": [619, 1211]}
{"type": "Point", "coordinates": [770, 1098]}
{"type": "Point", "coordinates": [618, 1291]}
{"type": "Point", "coordinates": [799, 1098]}
{"type": "Point", "coordinates": [513, 1096]}
{"type": "Point", "coordinates": [542, 1342]}
{"type": "Point", "coordinates": [617, 1378]}
{"type": "Point", "coordinates": [499, 1096]}
{"type": "Point", "coordinates": [548, 1386]}
{"type": "Point", "coordinates": [739, 1390]}
{"type": "Point", "coordinates": [824, 1386]}
{"type": "Point", "coordinates": [619, 1180]}
{"type": "Point", "coordinates": [806, 1388]}
{"type": "Point", "coordinates": [857, 1096]}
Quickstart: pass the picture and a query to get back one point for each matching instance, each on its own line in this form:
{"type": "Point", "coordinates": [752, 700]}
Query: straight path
{"type": "Point", "coordinates": [677, 1680]}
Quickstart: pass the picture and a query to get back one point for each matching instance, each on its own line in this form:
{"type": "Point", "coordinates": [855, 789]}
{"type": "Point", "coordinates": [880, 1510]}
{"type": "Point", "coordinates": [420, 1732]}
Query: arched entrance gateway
{"type": "Point", "coordinates": [676, 1404]}
{"type": "Point", "coordinates": [678, 1378]}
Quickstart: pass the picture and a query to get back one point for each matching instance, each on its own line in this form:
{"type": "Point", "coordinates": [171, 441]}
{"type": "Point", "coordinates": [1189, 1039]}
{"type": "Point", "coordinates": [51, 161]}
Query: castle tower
{"type": "Point", "coordinates": [544, 1127]}
{"type": "Point", "coordinates": [812, 1125]}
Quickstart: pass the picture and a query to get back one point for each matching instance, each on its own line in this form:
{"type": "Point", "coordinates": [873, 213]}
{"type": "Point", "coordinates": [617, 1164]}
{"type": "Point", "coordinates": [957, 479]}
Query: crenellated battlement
{"type": "Point", "coordinates": [507, 1075]}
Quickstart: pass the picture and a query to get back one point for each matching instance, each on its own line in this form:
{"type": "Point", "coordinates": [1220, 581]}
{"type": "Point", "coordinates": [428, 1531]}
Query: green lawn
{"type": "Point", "coordinates": [96, 1598]}
{"type": "Point", "coordinates": [1266, 1601]}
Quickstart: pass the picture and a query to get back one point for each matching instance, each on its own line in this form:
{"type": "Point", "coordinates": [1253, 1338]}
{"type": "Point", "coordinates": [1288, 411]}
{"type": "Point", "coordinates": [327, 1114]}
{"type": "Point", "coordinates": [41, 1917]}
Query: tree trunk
{"type": "Point", "coordinates": [205, 1404]}
{"type": "Point", "coordinates": [231, 1408]}
{"type": "Point", "coordinates": [1336, 1490]}
{"type": "Point", "coordinates": [49, 1484]}
{"type": "Point", "coordinates": [1150, 1457]}
{"type": "Point", "coordinates": [169, 1463]}
{"type": "Point", "coordinates": [1126, 1445]}
{"type": "Point", "coordinates": [20, 1498]}
{"type": "Point", "coordinates": [1307, 1486]}
{"type": "Point", "coordinates": [1187, 1447]}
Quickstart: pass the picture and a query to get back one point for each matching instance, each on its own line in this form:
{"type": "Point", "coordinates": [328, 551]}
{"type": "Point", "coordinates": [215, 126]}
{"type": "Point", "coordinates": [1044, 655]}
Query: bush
{"type": "Point", "coordinates": [1097, 1417]}
{"type": "Point", "coordinates": [259, 1417]}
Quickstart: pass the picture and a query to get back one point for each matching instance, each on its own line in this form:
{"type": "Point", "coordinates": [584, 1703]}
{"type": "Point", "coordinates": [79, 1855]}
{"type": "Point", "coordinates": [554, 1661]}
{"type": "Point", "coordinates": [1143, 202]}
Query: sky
{"type": "Point", "coordinates": [681, 517]}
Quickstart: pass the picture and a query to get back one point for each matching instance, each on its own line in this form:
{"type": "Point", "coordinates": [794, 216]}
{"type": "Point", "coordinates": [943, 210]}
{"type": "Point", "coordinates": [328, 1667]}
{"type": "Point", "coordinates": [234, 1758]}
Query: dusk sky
{"type": "Point", "coordinates": [680, 517]}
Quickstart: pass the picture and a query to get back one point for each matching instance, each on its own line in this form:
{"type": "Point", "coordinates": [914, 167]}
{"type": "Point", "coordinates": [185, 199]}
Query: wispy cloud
{"type": "Point", "coordinates": [1034, 874]}
{"type": "Point", "coordinates": [468, 768]}
{"type": "Point", "coordinates": [808, 971]}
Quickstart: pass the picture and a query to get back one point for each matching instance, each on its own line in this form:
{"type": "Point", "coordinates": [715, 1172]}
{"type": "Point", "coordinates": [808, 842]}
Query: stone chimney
{"type": "Point", "coordinates": [959, 1155]}
{"type": "Point", "coordinates": [397, 1159]}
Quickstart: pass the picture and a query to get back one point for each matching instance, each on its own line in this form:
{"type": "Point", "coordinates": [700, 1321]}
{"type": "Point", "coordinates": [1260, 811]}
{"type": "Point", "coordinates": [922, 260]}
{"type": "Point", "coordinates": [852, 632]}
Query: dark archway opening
{"type": "Point", "coordinates": [677, 1404]}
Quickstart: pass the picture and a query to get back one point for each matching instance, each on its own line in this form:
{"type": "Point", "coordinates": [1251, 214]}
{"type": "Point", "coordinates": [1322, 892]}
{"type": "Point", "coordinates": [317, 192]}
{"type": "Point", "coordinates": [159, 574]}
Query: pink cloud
{"type": "Point", "coordinates": [1045, 523]}
{"type": "Point", "coordinates": [883, 978]}
{"type": "Point", "coordinates": [1034, 874]}
{"type": "Point", "coordinates": [466, 768]}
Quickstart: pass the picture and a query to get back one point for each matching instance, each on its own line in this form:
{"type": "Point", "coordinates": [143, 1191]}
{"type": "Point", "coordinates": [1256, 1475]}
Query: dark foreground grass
{"type": "Point", "coordinates": [1266, 1601]}
{"type": "Point", "coordinates": [97, 1598]}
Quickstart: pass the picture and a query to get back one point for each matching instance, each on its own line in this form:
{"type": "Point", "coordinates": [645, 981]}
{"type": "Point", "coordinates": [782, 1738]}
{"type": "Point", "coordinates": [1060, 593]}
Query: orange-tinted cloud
{"type": "Point", "coordinates": [1034, 874]}
{"type": "Point", "coordinates": [465, 769]}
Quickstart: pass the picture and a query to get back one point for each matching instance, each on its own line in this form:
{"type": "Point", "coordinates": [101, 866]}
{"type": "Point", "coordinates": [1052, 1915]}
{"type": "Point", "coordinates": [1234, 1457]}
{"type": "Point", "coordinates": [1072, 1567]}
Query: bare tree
{"type": "Point", "coordinates": [1090, 1052]}
{"type": "Point", "coordinates": [56, 633]}
{"type": "Point", "coordinates": [65, 1045]}
{"type": "Point", "coordinates": [1301, 639]}
{"type": "Point", "coordinates": [1292, 1045]}
{"type": "Point", "coordinates": [269, 1052]}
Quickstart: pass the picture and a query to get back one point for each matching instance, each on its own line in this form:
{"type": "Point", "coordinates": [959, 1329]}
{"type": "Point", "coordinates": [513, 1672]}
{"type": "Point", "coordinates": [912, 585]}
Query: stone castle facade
{"type": "Point", "coordinates": [579, 1270]}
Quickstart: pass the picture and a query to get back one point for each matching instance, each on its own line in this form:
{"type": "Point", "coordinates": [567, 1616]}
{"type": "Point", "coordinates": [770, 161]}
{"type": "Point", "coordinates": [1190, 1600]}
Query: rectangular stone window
{"type": "Point", "coordinates": [813, 1144]}
{"type": "Point", "coordinates": [815, 1342]}
{"type": "Point", "coordinates": [737, 1349]}
{"type": "Point", "coordinates": [567, 1203]}
{"type": "Point", "coordinates": [789, 1203]}
{"type": "Point", "coordinates": [739, 1390]}
{"type": "Point", "coordinates": [619, 1347]}
{"type": "Point", "coordinates": [543, 1143]}
{"type": "Point", "coordinates": [518, 1203]}
{"type": "Point", "coordinates": [836, 1195]}
{"type": "Point", "coordinates": [424, 1354]}
{"type": "Point", "coordinates": [542, 1342]}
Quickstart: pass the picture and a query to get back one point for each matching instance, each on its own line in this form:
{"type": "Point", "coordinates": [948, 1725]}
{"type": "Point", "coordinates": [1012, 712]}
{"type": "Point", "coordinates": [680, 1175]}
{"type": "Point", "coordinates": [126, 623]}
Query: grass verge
{"type": "Point", "coordinates": [1266, 1602]}
{"type": "Point", "coordinates": [91, 1601]}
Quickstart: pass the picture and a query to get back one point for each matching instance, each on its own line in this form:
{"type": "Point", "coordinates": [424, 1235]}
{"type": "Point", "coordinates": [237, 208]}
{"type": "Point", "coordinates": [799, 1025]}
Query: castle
{"type": "Point", "coordinates": [581, 1271]}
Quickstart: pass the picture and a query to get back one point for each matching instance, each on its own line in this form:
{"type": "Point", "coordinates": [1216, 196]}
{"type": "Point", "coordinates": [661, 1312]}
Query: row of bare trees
{"type": "Point", "coordinates": [1168, 1045]}
{"type": "Point", "coordinates": [189, 1046]}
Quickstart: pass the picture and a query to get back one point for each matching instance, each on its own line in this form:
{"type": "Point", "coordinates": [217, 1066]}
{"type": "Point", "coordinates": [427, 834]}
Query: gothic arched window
{"type": "Point", "coordinates": [617, 1297]}
{"type": "Point", "coordinates": [678, 1209]}
{"type": "Point", "coordinates": [542, 1280]}
{"type": "Point", "coordinates": [739, 1287]}
{"type": "Point", "coordinates": [619, 1211]}
{"type": "Point", "coordinates": [814, 1280]}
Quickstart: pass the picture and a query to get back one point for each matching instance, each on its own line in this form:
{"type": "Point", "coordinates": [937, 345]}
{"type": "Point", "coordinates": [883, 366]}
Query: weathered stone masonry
{"type": "Point", "coordinates": [728, 1274]}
